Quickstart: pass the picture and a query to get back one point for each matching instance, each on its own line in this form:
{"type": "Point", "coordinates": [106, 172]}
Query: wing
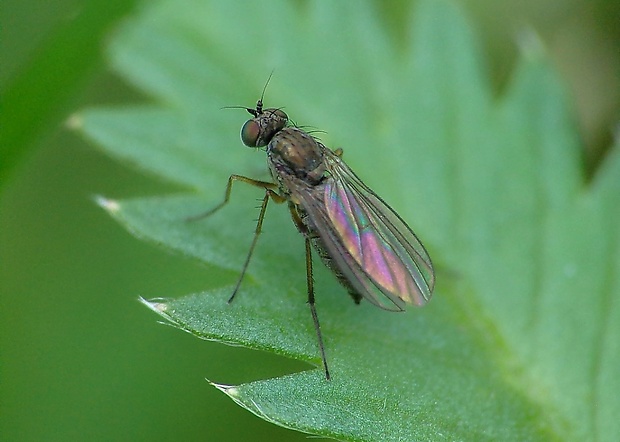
{"type": "Point", "coordinates": [372, 246]}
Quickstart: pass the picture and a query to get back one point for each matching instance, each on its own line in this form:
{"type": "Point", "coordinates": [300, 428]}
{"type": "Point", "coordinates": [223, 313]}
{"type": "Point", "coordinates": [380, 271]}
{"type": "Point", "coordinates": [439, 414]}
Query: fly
{"type": "Point", "coordinates": [363, 241]}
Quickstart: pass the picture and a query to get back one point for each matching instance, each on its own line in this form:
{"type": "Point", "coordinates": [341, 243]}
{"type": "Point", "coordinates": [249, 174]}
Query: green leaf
{"type": "Point", "coordinates": [520, 340]}
{"type": "Point", "coordinates": [42, 90]}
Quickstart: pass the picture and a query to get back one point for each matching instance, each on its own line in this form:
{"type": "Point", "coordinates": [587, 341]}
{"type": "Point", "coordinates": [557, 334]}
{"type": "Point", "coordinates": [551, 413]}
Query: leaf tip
{"type": "Point", "coordinates": [229, 390]}
{"type": "Point", "coordinates": [530, 44]}
{"type": "Point", "coordinates": [74, 122]}
{"type": "Point", "coordinates": [157, 305]}
{"type": "Point", "coordinates": [109, 205]}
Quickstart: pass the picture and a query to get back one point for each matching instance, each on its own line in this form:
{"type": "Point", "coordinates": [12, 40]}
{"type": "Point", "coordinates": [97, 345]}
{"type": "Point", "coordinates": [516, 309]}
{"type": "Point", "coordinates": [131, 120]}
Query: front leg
{"type": "Point", "coordinates": [259, 226]}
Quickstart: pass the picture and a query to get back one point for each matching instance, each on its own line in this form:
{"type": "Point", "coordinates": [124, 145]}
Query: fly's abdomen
{"type": "Point", "coordinates": [327, 259]}
{"type": "Point", "coordinates": [331, 264]}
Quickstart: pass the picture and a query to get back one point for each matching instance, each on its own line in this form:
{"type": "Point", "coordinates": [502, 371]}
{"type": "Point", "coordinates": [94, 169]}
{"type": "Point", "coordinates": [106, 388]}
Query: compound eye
{"type": "Point", "coordinates": [250, 133]}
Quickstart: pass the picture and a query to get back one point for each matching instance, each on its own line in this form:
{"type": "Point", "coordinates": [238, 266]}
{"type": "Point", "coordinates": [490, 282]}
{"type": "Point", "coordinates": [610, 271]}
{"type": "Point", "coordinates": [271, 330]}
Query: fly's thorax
{"type": "Point", "coordinates": [293, 152]}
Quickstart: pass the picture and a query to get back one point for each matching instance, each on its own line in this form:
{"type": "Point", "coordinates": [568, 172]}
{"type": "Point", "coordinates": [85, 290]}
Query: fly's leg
{"type": "Point", "coordinates": [262, 184]}
{"type": "Point", "coordinates": [315, 317]}
{"type": "Point", "coordinates": [310, 284]}
{"type": "Point", "coordinates": [270, 192]}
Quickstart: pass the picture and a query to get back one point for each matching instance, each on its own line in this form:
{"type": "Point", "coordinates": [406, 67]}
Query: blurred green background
{"type": "Point", "coordinates": [80, 358]}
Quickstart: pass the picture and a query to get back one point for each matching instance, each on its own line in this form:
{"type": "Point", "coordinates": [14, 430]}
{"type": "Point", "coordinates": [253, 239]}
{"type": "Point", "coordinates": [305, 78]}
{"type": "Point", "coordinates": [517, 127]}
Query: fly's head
{"type": "Point", "coordinates": [258, 131]}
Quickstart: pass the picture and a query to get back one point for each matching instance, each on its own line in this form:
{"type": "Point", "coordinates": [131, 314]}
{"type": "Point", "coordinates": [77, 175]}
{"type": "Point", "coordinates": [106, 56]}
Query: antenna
{"type": "Point", "coordinates": [259, 104]}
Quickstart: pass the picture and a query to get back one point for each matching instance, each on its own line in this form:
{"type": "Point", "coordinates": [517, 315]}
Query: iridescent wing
{"type": "Point", "coordinates": [372, 246]}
